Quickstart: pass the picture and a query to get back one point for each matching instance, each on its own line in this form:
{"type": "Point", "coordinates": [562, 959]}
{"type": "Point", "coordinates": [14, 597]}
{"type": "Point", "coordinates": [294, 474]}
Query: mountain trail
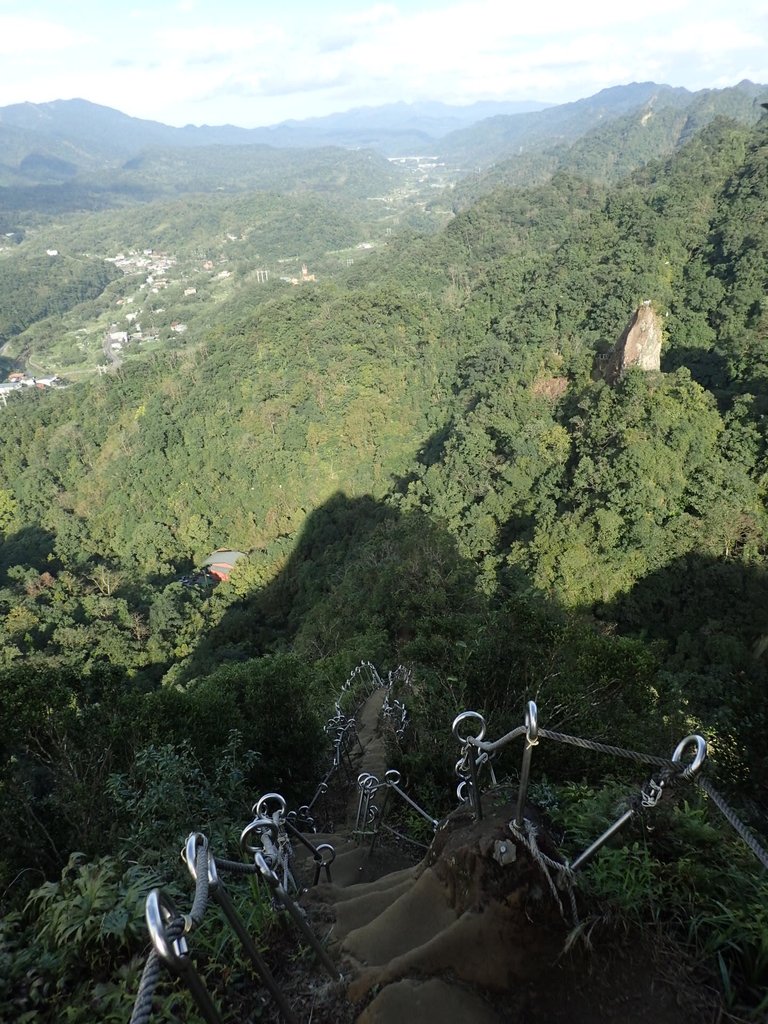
{"type": "Point", "coordinates": [461, 937]}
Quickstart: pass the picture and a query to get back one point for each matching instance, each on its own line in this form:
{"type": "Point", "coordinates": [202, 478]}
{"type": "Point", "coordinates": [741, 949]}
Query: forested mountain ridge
{"type": "Point", "coordinates": [600, 146]}
{"type": "Point", "coordinates": [110, 133]}
{"type": "Point", "coordinates": [423, 463]}
{"type": "Point", "coordinates": [90, 150]}
{"type": "Point", "coordinates": [52, 187]}
{"type": "Point", "coordinates": [524, 288]}
{"type": "Point", "coordinates": [492, 140]}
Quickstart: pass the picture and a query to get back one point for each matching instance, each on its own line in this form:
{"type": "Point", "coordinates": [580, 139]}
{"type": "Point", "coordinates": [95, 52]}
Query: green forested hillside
{"type": "Point", "coordinates": [358, 174]}
{"type": "Point", "coordinates": [603, 141]}
{"type": "Point", "coordinates": [44, 184]}
{"type": "Point", "coordinates": [36, 286]}
{"type": "Point", "coordinates": [212, 244]}
{"type": "Point", "coordinates": [273, 224]}
{"type": "Point", "coordinates": [423, 464]}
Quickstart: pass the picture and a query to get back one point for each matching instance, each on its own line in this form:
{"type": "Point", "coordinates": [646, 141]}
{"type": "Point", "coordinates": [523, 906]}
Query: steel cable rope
{"type": "Point", "coordinates": [640, 758]}
{"type": "Point", "coordinates": [489, 747]}
{"type": "Point", "coordinates": [730, 815]}
{"type": "Point", "coordinates": [175, 929]}
{"type": "Point", "coordinates": [235, 866]}
{"type": "Point", "coordinates": [606, 748]}
{"type": "Point", "coordinates": [142, 1007]}
{"type": "Point", "coordinates": [563, 869]}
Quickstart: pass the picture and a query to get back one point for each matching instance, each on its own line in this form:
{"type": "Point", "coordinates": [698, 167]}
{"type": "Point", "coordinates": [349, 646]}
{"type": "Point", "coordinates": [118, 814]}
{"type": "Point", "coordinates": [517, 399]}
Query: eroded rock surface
{"type": "Point", "coordinates": [639, 345]}
{"type": "Point", "coordinates": [458, 916]}
{"type": "Point", "coordinates": [468, 935]}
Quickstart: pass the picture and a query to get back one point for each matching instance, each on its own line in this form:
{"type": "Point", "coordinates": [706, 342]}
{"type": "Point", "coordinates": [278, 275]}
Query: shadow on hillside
{"type": "Point", "coordinates": [712, 617]}
{"type": "Point", "coordinates": [30, 546]}
{"type": "Point", "coordinates": [712, 371]}
{"type": "Point", "coordinates": [429, 454]}
{"type": "Point", "coordinates": [367, 580]}
{"type": "Point", "coordinates": [363, 577]}
{"type": "Point", "coordinates": [710, 611]}
{"type": "Point", "coordinates": [269, 617]}
{"type": "Point", "coordinates": [707, 368]}
{"type": "Point", "coordinates": [7, 365]}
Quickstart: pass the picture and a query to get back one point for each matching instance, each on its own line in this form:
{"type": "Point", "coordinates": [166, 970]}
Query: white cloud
{"type": "Point", "coordinates": [258, 63]}
{"type": "Point", "coordinates": [19, 35]}
{"type": "Point", "coordinates": [189, 42]}
{"type": "Point", "coordinates": [708, 37]}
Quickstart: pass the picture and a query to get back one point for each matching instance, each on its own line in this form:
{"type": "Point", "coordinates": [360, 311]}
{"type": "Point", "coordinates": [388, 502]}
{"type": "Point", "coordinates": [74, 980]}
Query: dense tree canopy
{"type": "Point", "coordinates": [423, 462]}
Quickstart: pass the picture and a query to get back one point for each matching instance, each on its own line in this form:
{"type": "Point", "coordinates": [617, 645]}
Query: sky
{"type": "Point", "coordinates": [250, 63]}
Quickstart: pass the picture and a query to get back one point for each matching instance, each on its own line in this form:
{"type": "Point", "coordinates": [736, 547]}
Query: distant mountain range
{"type": "Point", "coordinates": [498, 138]}
{"type": "Point", "coordinates": [603, 138]}
{"type": "Point", "coordinates": [67, 142]}
{"type": "Point", "coordinates": [79, 132]}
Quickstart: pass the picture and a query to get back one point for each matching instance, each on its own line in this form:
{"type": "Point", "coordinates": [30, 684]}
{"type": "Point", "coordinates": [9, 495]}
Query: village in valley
{"type": "Point", "coordinates": [173, 278]}
{"type": "Point", "coordinates": [148, 308]}
{"type": "Point", "coordinates": [18, 381]}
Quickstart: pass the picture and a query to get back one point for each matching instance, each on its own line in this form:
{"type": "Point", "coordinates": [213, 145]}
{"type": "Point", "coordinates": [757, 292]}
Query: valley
{"type": "Point", "coordinates": [407, 393]}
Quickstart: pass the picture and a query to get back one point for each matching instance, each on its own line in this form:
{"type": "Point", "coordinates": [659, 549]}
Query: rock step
{"type": "Point", "coordinates": [426, 1002]}
{"type": "Point", "coordinates": [400, 928]}
{"type": "Point", "coordinates": [352, 865]}
{"type": "Point", "coordinates": [465, 936]}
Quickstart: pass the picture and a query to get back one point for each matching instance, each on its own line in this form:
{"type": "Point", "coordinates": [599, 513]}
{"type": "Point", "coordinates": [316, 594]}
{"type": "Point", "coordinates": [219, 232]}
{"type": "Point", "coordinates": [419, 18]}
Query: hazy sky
{"type": "Point", "coordinates": [250, 63]}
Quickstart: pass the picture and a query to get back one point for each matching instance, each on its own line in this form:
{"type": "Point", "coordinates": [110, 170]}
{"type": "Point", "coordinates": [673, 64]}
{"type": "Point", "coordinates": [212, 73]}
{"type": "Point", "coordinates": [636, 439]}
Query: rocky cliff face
{"type": "Point", "coordinates": [639, 345]}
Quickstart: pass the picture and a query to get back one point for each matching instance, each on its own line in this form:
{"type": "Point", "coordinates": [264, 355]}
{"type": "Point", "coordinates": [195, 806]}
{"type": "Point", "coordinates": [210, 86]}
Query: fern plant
{"type": "Point", "coordinates": [95, 912]}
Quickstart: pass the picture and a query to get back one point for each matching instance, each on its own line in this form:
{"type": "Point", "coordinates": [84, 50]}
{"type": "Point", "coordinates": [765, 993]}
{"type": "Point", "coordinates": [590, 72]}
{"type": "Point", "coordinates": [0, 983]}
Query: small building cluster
{"type": "Point", "coordinates": [19, 381]}
{"type": "Point", "coordinates": [305, 276]}
{"type": "Point", "coordinates": [221, 563]}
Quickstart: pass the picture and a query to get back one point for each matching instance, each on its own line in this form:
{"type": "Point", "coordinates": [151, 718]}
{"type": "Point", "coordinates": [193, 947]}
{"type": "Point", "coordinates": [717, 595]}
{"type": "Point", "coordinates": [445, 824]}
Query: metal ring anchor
{"type": "Point", "coordinates": [698, 759]}
{"type": "Point", "coordinates": [650, 795]}
{"type": "Point", "coordinates": [323, 857]}
{"type": "Point", "coordinates": [531, 740]}
{"type": "Point", "coordinates": [392, 779]}
{"type": "Point", "coordinates": [463, 717]}
{"type": "Point", "coordinates": [258, 825]}
{"type": "Point", "coordinates": [189, 853]}
{"type": "Point", "coordinates": [160, 911]}
{"type": "Point", "coordinates": [189, 856]}
{"type": "Point", "coordinates": [261, 807]}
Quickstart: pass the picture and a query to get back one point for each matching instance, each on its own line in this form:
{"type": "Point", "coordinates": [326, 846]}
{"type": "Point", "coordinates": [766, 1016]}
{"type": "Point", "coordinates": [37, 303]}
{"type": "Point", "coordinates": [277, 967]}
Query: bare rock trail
{"type": "Point", "coordinates": [459, 937]}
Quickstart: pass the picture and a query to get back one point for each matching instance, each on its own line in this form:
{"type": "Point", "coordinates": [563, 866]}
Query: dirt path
{"type": "Point", "coordinates": [460, 938]}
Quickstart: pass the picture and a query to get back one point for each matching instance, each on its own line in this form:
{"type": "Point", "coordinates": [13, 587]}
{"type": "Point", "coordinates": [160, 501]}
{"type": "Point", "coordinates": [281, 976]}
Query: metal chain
{"type": "Point", "coordinates": [730, 815]}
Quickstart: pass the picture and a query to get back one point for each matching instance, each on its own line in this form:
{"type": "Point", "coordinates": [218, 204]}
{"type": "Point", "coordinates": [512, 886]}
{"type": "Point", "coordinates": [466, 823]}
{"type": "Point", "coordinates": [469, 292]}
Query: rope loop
{"type": "Point", "coordinates": [527, 836]}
